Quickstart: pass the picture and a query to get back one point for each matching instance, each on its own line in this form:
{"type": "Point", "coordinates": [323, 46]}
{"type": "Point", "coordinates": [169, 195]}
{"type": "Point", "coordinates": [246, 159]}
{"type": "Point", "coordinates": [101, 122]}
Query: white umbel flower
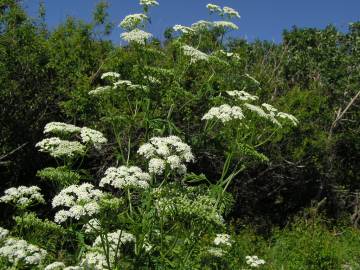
{"type": "Point", "coordinates": [230, 12]}
{"type": "Point", "coordinates": [194, 54]}
{"type": "Point", "coordinates": [3, 233]}
{"type": "Point", "coordinates": [242, 95]}
{"type": "Point", "coordinates": [22, 196]}
{"type": "Point", "coordinates": [61, 148]}
{"type": "Point", "coordinates": [201, 25]}
{"type": "Point", "coordinates": [137, 36]}
{"type": "Point", "coordinates": [254, 261]}
{"type": "Point", "coordinates": [258, 110]}
{"type": "Point", "coordinates": [101, 90]}
{"type": "Point", "coordinates": [225, 24]}
{"type": "Point", "coordinates": [59, 127]}
{"type": "Point", "coordinates": [214, 8]}
{"type": "Point", "coordinates": [183, 29]}
{"type": "Point", "coordinates": [110, 74]}
{"type": "Point", "coordinates": [224, 113]}
{"type": "Point", "coordinates": [19, 251]}
{"type": "Point", "coordinates": [166, 151]}
{"type": "Point", "coordinates": [95, 137]}
{"type": "Point", "coordinates": [222, 239]}
{"type": "Point", "coordinates": [149, 3]}
{"type": "Point", "coordinates": [290, 117]}
{"type": "Point", "coordinates": [55, 266]}
{"type": "Point", "coordinates": [80, 200]}
{"type": "Point", "coordinates": [125, 177]}
{"type": "Point", "coordinates": [130, 22]}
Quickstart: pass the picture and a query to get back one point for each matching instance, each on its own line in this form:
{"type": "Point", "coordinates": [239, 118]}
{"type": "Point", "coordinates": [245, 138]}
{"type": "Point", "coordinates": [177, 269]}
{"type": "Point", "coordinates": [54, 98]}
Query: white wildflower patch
{"type": "Point", "coordinates": [290, 117]}
{"type": "Point", "coordinates": [21, 252]}
{"type": "Point", "coordinates": [149, 3]}
{"type": "Point", "coordinates": [95, 137]}
{"type": "Point", "coordinates": [222, 239]}
{"type": "Point", "coordinates": [80, 201]}
{"type": "Point", "coordinates": [225, 24]}
{"type": "Point", "coordinates": [183, 29]}
{"type": "Point", "coordinates": [23, 196]}
{"type": "Point", "coordinates": [125, 177]}
{"type": "Point", "coordinates": [3, 233]}
{"type": "Point", "coordinates": [242, 95]}
{"type": "Point", "coordinates": [101, 90]}
{"type": "Point", "coordinates": [61, 148]}
{"type": "Point", "coordinates": [136, 36]}
{"type": "Point", "coordinates": [230, 12]}
{"type": "Point", "coordinates": [124, 83]}
{"type": "Point", "coordinates": [254, 261]}
{"type": "Point", "coordinates": [110, 75]}
{"type": "Point", "coordinates": [59, 127]}
{"type": "Point", "coordinates": [224, 113]}
{"type": "Point", "coordinates": [130, 22]}
{"type": "Point", "coordinates": [166, 151]}
{"type": "Point", "coordinates": [55, 266]}
{"type": "Point", "coordinates": [194, 54]}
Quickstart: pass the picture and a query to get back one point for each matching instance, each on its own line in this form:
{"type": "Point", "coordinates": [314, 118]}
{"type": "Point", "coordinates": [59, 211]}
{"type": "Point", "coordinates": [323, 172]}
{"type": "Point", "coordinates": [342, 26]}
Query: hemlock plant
{"type": "Point", "coordinates": [147, 210]}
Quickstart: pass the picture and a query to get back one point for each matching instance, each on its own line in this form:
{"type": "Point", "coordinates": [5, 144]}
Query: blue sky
{"type": "Point", "coordinates": [262, 19]}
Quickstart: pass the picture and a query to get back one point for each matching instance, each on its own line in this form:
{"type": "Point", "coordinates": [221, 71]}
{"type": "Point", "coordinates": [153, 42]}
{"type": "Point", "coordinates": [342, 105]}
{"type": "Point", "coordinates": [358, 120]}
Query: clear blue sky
{"type": "Point", "coordinates": [262, 19]}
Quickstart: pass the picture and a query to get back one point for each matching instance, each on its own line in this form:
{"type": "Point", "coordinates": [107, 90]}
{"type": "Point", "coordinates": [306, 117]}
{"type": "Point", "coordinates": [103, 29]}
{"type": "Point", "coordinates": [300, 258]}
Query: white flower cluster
{"type": "Point", "coordinates": [222, 239]}
{"type": "Point", "coordinates": [166, 151]}
{"type": "Point", "coordinates": [95, 260]}
{"type": "Point", "coordinates": [214, 8]}
{"type": "Point", "coordinates": [225, 11]}
{"type": "Point", "coordinates": [217, 252]}
{"type": "Point", "coordinates": [125, 177]}
{"type": "Point", "coordinates": [130, 22]}
{"type": "Point", "coordinates": [61, 266]}
{"type": "Point", "coordinates": [59, 127]}
{"type": "Point", "coordinates": [183, 29]}
{"type": "Point", "coordinates": [254, 261]}
{"type": "Point", "coordinates": [290, 117]}
{"type": "Point", "coordinates": [149, 3]}
{"type": "Point", "coordinates": [92, 226]}
{"type": "Point", "coordinates": [95, 137]}
{"type": "Point", "coordinates": [22, 196]}
{"type": "Point", "coordinates": [242, 95]}
{"type": "Point", "coordinates": [110, 74]}
{"type": "Point", "coordinates": [201, 25]}
{"type": "Point", "coordinates": [224, 113]}
{"type": "Point", "coordinates": [272, 113]}
{"type": "Point", "coordinates": [101, 90]}
{"type": "Point", "coordinates": [230, 12]}
{"type": "Point", "coordinates": [225, 24]}
{"type": "Point", "coordinates": [114, 238]}
{"type": "Point", "coordinates": [19, 251]}
{"type": "Point", "coordinates": [137, 36]}
{"type": "Point", "coordinates": [59, 148]}
{"type": "Point", "coordinates": [55, 266]}
{"type": "Point", "coordinates": [152, 79]}
{"type": "Point", "coordinates": [195, 54]}
{"type": "Point", "coordinates": [3, 233]}
{"type": "Point", "coordinates": [81, 200]}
